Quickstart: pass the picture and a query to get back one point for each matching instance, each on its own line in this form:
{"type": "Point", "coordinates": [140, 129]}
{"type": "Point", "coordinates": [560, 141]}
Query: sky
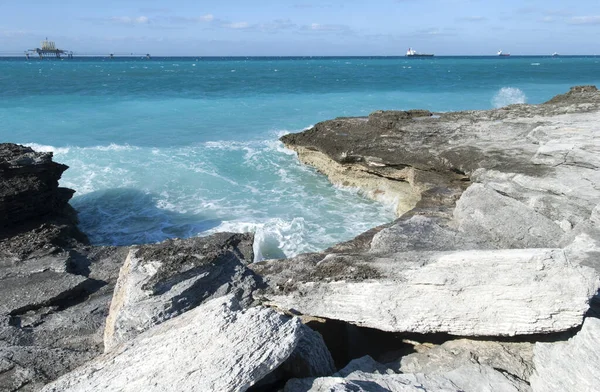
{"type": "Point", "coordinates": [302, 27]}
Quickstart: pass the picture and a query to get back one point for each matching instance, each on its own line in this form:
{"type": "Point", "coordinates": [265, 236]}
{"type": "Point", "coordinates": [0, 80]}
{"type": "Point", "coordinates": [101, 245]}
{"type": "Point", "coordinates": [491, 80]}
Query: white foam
{"type": "Point", "coordinates": [508, 96]}
{"type": "Point", "coordinates": [113, 147]}
{"type": "Point", "coordinates": [274, 238]}
{"type": "Point", "coordinates": [44, 148]}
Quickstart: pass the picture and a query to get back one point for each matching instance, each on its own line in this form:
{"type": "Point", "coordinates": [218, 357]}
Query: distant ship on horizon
{"type": "Point", "coordinates": [555, 54]}
{"type": "Point", "coordinates": [412, 53]}
{"type": "Point", "coordinates": [502, 54]}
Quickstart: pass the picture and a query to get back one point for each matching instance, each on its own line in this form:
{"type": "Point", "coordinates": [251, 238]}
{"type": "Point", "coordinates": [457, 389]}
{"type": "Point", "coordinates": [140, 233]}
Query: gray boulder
{"type": "Point", "coordinates": [159, 282]}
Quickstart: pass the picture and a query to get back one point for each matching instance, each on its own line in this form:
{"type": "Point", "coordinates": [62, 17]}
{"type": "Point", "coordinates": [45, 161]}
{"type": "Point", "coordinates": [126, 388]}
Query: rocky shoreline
{"type": "Point", "coordinates": [487, 281]}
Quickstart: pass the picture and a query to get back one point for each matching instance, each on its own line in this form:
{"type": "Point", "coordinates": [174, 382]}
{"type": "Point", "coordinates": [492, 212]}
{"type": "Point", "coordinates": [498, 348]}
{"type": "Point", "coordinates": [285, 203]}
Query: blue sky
{"type": "Point", "coordinates": [303, 27]}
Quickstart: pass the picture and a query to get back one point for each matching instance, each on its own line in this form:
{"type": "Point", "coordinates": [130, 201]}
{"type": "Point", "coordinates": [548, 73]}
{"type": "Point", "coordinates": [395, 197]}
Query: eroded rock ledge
{"type": "Point", "coordinates": [493, 203]}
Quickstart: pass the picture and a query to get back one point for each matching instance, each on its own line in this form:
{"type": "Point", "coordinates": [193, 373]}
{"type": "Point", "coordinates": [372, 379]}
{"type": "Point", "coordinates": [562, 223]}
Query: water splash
{"type": "Point", "coordinates": [508, 96]}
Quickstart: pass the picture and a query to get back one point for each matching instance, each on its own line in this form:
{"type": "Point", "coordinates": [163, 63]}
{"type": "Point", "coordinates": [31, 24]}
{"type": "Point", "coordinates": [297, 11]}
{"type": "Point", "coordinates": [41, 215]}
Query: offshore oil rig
{"type": "Point", "coordinates": [48, 49]}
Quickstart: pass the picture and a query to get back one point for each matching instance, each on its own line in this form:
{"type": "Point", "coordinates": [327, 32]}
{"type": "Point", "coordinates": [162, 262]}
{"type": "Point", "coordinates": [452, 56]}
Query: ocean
{"type": "Point", "coordinates": [180, 147]}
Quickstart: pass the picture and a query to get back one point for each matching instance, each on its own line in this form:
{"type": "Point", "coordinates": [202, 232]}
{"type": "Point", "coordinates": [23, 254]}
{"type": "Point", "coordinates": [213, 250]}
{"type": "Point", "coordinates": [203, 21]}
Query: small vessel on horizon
{"type": "Point", "coordinates": [555, 54]}
{"type": "Point", "coordinates": [502, 54]}
{"type": "Point", "coordinates": [412, 53]}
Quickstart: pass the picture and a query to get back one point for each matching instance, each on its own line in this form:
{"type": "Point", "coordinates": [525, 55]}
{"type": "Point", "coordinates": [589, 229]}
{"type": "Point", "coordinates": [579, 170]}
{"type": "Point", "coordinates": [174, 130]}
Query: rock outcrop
{"type": "Point", "coordinates": [498, 196]}
{"type": "Point", "coordinates": [30, 199]}
{"type": "Point", "coordinates": [498, 212]}
{"type": "Point", "coordinates": [29, 188]}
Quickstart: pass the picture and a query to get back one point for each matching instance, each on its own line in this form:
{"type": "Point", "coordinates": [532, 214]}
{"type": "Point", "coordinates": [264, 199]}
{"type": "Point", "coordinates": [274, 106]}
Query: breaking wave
{"type": "Point", "coordinates": [508, 96]}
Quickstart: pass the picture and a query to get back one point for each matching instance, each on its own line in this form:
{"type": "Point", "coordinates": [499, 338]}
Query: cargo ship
{"type": "Point", "coordinates": [502, 54]}
{"type": "Point", "coordinates": [412, 53]}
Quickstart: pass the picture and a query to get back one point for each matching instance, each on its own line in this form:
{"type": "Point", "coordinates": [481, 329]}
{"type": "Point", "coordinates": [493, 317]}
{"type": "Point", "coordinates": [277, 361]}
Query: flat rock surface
{"type": "Point", "coordinates": [480, 293]}
{"type": "Point", "coordinates": [569, 366]}
{"type": "Point", "coordinates": [217, 347]}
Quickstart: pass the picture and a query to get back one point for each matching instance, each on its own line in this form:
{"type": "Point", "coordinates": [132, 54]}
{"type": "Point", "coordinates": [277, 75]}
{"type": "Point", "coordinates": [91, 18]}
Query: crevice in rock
{"type": "Point", "coordinates": [386, 177]}
{"type": "Point", "coordinates": [508, 374]}
{"type": "Point", "coordinates": [347, 341]}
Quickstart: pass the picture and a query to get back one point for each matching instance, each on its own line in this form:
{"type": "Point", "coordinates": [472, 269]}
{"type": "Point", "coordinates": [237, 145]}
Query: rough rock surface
{"type": "Point", "coordinates": [374, 377]}
{"type": "Point", "coordinates": [469, 293]}
{"type": "Point", "coordinates": [54, 311]}
{"type": "Point", "coordinates": [159, 282]}
{"type": "Point", "coordinates": [55, 289]}
{"type": "Point", "coordinates": [217, 347]}
{"type": "Point", "coordinates": [514, 359]}
{"type": "Point", "coordinates": [29, 188]}
{"type": "Point", "coordinates": [569, 366]}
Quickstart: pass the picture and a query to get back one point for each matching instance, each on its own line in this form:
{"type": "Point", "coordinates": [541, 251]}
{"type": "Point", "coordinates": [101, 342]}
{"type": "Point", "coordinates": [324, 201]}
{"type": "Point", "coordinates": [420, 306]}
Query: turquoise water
{"type": "Point", "coordinates": [177, 147]}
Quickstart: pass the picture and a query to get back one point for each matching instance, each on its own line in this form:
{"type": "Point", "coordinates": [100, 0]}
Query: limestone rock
{"type": "Point", "coordinates": [569, 366]}
{"type": "Point", "coordinates": [484, 213]}
{"type": "Point", "coordinates": [426, 234]}
{"type": "Point", "coordinates": [159, 282]}
{"type": "Point", "coordinates": [515, 359]}
{"type": "Point", "coordinates": [213, 347]}
{"type": "Point", "coordinates": [465, 293]}
{"type": "Point", "coordinates": [469, 378]}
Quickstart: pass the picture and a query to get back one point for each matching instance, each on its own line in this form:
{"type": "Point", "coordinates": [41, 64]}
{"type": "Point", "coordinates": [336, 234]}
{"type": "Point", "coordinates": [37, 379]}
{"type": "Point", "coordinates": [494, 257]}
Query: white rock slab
{"type": "Point", "coordinates": [214, 347]}
{"type": "Point", "coordinates": [572, 366]}
{"type": "Point", "coordinates": [466, 293]}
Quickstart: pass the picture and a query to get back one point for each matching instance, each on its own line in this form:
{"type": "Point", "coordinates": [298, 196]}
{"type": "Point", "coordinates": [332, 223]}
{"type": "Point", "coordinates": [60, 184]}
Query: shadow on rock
{"type": "Point", "coordinates": [124, 217]}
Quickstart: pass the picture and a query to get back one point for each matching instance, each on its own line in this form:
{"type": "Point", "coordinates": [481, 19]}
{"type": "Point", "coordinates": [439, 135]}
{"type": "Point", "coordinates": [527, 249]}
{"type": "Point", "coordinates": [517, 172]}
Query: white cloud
{"type": "Point", "coordinates": [585, 20]}
{"type": "Point", "coordinates": [326, 27]}
{"type": "Point", "coordinates": [127, 20]}
{"type": "Point", "coordinates": [236, 25]}
{"type": "Point", "coordinates": [472, 19]}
